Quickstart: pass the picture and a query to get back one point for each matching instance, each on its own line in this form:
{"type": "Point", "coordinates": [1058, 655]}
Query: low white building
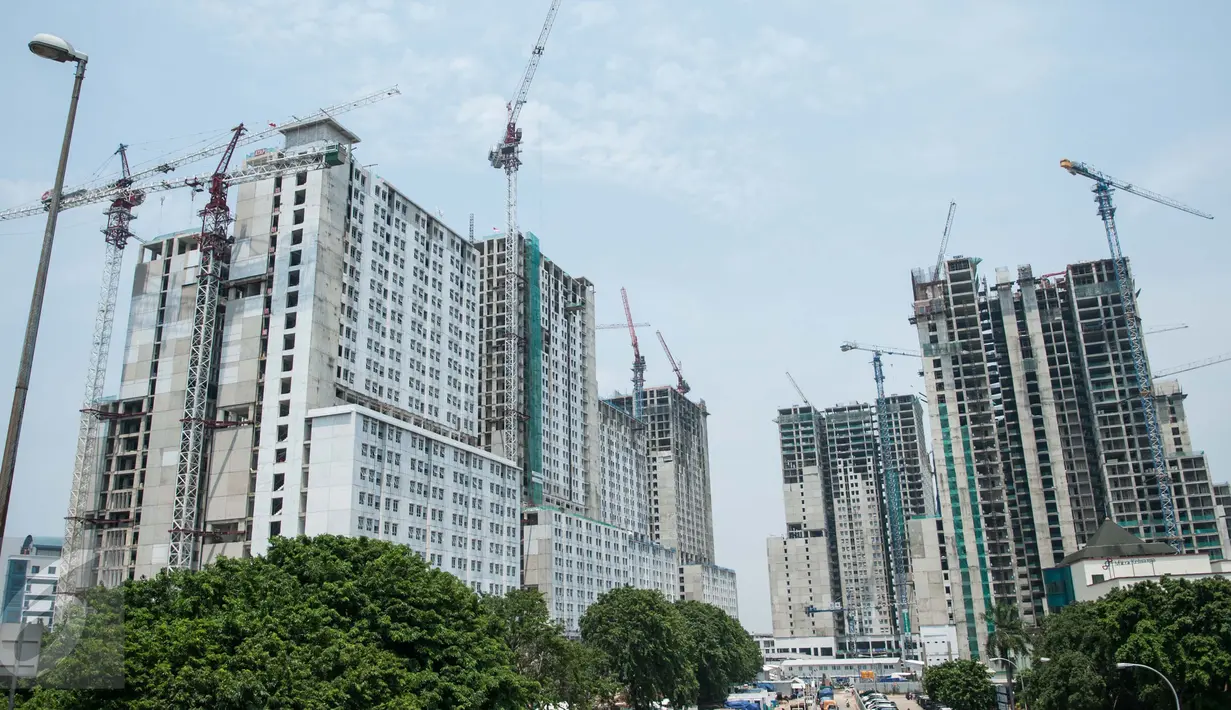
{"type": "Point", "coordinates": [371, 475]}
{"type": "Point", "coordinates": [31, 572]}
{"type": "Point", "coordinates": [1115, 558]}
{"type": "Point", "coordinates": [573, 560]}
{"type": "Point", "coordinates": [710, 584]}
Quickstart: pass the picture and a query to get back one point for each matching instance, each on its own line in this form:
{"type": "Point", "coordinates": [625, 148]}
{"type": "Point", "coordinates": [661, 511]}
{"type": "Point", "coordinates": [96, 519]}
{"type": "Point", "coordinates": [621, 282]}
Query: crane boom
{"type": "Point", "coordinates": [944, 238]}
{"type": "Point", "coordinates": [153, 177]}
{"type": "Point", "coordinates": [523, 89]}
{"type": "Point", "coordinates": [1194, 365]}
{"type": "Point", "coordinates": [1103, 188]}
{"type": "Point", "coordinates": [1165, 328]}
{"type": "Point", "coordinates": [681, 385]}
{"type": "Point", "coordinates": [619, 326]}
{"type": "Point", "coordinates": [798, 390]}
{"type": "Point", "coordinates": [1086, 171]}
{"type": "Point", "coordinates": [852, 345]}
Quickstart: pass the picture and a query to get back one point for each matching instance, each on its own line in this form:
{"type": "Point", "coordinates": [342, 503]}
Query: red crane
{"type": "Point", "coordinates": [681, 386]}
{"type": "Point", "coordinates": [215, 254]}
{"type": "Point", "coordinates": [638, 362]}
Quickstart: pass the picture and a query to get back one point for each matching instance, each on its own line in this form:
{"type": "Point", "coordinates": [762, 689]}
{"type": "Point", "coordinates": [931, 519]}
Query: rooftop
{"type": "Point", "coordinates": [1113, 541]}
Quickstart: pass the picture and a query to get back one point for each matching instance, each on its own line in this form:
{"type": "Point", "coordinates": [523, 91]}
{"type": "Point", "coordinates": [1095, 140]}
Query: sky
{"type": "Point", "coordinates": [760, 176]}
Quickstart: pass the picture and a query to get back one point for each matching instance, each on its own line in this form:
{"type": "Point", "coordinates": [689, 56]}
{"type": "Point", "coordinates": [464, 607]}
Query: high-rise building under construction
{"type": "Point", "coordinates": [1037, 430]}
{"type": "Point", "coordinates": [831, 574]}
{"type": "Point", "coordinates": [342, 394]}
{"type": "Point", "coordinates": [556, 399]}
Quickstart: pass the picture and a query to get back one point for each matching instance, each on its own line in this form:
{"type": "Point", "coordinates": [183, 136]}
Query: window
{"type": "Point", "coordinates": [296, 236]}
{"type": "Point", "coordinates": [296, 257]}
{"type": "Point", "coordinates": [275, 506]}
{"type": "Point", "coordinates": [298, 217]}
{"type": "Point", "coordinates": [301, 196]}
{"type": "Point", "coordinates": [288, 341]}
{"type": "Point", "coordinates": [275, 528]}
{"type": "Point", "coordinates": [288, 363]}
{"type": "Point", "coordinates": [283, 432]}
{"type": "Point", "coordinates": [301, 178]}
{"type": "Point", "coordinates": [279, 481]}
{"type": "Point", "coordinates": [284, 408]}
{"type": "Point", "coordinates": [292, 279]}
{"type": "Point", "coordinates": [292, 299]}
{"type": "Point", "coordinates": [290, 321]}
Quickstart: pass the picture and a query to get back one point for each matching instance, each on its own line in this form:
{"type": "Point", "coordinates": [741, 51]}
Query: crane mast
{"type": "Point", "coordinates": [215, 252]}
{"type": "Point", "coordinates": [893, 488]}
{"type": "Point", "coordinates": [1104, 186]}
{"type": "Point", "coordinates": [506, 156]}
{"type": "Point", "coordinates": [681, 385]}
{"type": "Point", "coordinates": [638, 361]}
{"type": "Point", "coordinates": [116, 235]}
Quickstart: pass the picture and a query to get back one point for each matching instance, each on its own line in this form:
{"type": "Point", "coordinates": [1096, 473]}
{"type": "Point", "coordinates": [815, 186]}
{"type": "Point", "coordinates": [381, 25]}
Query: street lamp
{"type": "Point", "coordinates": [57, 50]}
{"type": "Point", "coordinates": [1012, 699]}
{"type": "Point", "coordinates": [1122, 666]}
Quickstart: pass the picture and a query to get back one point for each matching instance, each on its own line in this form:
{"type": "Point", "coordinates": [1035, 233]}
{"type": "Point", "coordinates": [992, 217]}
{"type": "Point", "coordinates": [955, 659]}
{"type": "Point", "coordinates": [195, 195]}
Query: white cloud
{"type": "Point", "coordinates": [591, 13]}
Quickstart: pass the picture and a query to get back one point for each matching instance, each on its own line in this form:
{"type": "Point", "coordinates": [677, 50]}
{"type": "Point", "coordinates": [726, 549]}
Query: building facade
{"type": "Point", "coordinates": [31, 573]}
{"type": "Point", "coordinates": [340, 291]}
{"type": "Point", "coordinates": [710, 584]}
{"type": "Point", "coordinates": [1037, 429]}
{"type": "Point", "coordinates": [801, 571]}
{"type": "Point", "coordinates": [556, 396]}
{"type": "Point", "coordinates": [573, 560]}
{"type": "Point", "coordinates": [624, 498]}
{"type": "Point", "coordinates": [677, 445]}
{"type": "Point", "coordinates": [909, 440]}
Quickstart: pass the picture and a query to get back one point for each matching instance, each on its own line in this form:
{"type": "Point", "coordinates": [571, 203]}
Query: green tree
{"type": "Point", "coordinates": [323, 623]}
{"type": "Point", "coordinates": [566, 671]}
{"type": "Point", "coordinates": [1069, 681]}
{"type": "Point", "coordinates": [962, 685]}
{"type": "Point", "coordinates": [722, 651]}
{"type": "Point", "coordinates": [1008, 637]}
{"type": "Point", "coordinates": [646, 644]}
{"type": "Point", "coordinates": [1180, 627]}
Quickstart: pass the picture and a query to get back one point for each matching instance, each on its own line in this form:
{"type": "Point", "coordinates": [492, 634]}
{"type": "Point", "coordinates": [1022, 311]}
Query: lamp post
{"type": "Point", "coordinates": [57, 50]}
{"type": "Point", "coordinates": [1176, 695]}
{"type": "Point", "coordinates": [1013, 699]}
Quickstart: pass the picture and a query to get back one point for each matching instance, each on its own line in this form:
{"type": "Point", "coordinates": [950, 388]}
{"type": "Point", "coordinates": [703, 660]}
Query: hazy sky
{"type": "Point", "coordinates": [761, 176]}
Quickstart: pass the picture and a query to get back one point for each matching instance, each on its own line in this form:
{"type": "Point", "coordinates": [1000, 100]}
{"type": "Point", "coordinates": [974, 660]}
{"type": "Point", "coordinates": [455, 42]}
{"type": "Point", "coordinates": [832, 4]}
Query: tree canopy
{"type": "Point", "coordinates": [722, 651]}
{"type": "Point", "coordinates": [565, 670]}
{"type": "Point", "coordinates": [646, 646]}
{"type": "Point", "coordinates": [1180, 627]}
{"type": "Point", "coordinates": [328, 622]}
{"type": "Point", "coordinates": [961, 684]}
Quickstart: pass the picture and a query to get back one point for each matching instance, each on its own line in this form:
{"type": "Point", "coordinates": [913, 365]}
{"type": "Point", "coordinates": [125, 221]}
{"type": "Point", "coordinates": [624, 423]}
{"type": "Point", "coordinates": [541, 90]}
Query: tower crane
{"type": "Point", "coordinates": [215, 248]}
{"type": "Point", "coordinates": [681, 386]}
{"type": "Point", "coordinates": [798, 390]}
{"type": "Point", "coordinates": [506, 156]}
{"type": "Point", "coordinates": [619, 326]}
{"type": "Point", "coordinates": [111, 189]}
{"type": "Point", "coordinates": [944, 238]}
{"type": "Point", "coordinates": [116, 234]}
{"type": "Point", "coordinates": [1104, 185]}
{"type": "Point", "coordinates": [638, 362]}
{"type": "Point", "coordinates": [893, 485]}
{"type": "Point", "coordinates": [1164, 328]}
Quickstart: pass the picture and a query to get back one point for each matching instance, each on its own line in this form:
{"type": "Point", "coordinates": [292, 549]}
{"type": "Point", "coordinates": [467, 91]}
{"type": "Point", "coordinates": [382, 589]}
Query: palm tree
{"type": "Point", "coordinates": [1008, 637]}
